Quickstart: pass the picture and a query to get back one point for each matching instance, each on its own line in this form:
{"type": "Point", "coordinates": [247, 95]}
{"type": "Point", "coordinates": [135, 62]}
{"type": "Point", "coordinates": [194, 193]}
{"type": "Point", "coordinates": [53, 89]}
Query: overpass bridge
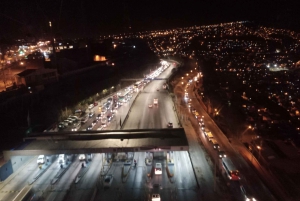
{"type": "Point", "coordinates": [110, 141]}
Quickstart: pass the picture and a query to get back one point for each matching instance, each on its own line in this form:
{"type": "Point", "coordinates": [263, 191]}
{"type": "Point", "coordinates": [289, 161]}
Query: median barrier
{"type": "Point", "coordinates": [125, 119]}
{"type": "Point", "coordinates": [169, 173]}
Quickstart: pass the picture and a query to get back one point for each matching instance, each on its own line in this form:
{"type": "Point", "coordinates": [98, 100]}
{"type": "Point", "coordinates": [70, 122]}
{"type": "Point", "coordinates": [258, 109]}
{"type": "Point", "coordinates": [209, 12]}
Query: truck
{"type": "Point", "coordinates": [155, 101]}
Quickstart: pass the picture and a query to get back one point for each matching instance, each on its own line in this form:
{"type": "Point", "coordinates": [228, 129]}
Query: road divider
{"type": "Point", "coordinates": [62, 171]}
{"type": "Point", "coordinates": [129, 110]}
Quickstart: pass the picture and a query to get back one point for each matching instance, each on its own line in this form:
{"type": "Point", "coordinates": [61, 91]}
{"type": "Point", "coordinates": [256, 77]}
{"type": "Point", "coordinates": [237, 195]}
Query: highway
{"type": "Point", "coordinates": [248, 176]}
{"type": "Point", "coordinates": [138, 187]}
{"type": "Point", "coordinates": [193, 178]}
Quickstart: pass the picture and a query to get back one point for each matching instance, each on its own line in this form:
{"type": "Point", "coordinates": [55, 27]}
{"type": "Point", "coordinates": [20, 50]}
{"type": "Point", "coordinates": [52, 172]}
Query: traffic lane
{"type": "Point", "coordinates": [110, 193]}
{"type": "Point", "coordinates": [162, 179]}
{"type": "Point", "coordinates": [244, 151]}
{"type": "Point", "coordinates": [183, 173]}
{"type": "Point", "coordinates": [193, 143]}
{"type": "Point", "coordinates": [120, 115]}
{"type": "Point", "coordinates": [61, 188]}
{"type": "Point", "coordinates": [137, 175]}
{"type": "Point", "coordinates": [247, 173]}
{"type": "Point", "coordinates": [42, 186]}
{"type": "Point", "coordinates": [10, 190]}
{"type": "Point", "coordinates": [95, 110]}
{"type": "Point", "coordinates": [143, 117]}
{"type": "Point", "coordinates": [201, 167]}
{"type": "Point", "coordinates": [84, 189]}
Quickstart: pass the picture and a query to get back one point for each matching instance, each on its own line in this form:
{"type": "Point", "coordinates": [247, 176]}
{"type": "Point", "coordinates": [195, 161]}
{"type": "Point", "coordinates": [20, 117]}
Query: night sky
{"type": "Point", "coordinates": [89, 18]}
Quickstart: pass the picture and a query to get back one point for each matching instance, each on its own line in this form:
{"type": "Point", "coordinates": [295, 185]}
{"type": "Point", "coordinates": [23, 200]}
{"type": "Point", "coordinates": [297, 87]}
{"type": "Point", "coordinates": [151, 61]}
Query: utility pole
{"type": "Point", "coordinates": [215, 167]}
{"type": "Point", "coordinates": [53, 45]}
{"type": "Point", "coordinates": [3, 71]}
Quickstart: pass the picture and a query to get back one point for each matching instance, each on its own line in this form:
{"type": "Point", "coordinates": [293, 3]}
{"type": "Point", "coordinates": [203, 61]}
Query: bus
{"type": "Point", "coordinates": [231, 171]}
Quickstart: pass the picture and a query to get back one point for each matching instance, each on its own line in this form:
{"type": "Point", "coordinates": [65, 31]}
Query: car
{"type": "Point", "coordinates": [247, 193]}
{"type": "Point", "coordinates": [91, 114]}
{"type": "Point", "coordinates": [67, 122]}
{"type": "Point", "coordinates": [107, 105]}
{"type": "Point", "coordinates": [108, 179]}
{"type": "Point", "coordinates": [103, 111]}
{"type": "Point", "coordinates": [150, 105]}
{"type": "Point", "coordinates": [95, 103]}
{"type": "Point", "coordinates": [41, 159]}
{"type": "Point", "coordinates": [103, 122]}
{"type": "Point", "coordinates": [94, 122]}
{"type": "Point", "coordinates": [78, 112]}
{"type": "Point", "coordinates": [91, 106]}
{"type": "Point", "coordinates": [81, 157]}
{"type": "Point", "coordinates": [194, 111]}
{"type": "Point", "coordinates": [71, 120]}
{"type": "Point", "coordinates": [61, 158]}
{"type": "Point", "coordinates": [170, 125]}
{"type": "Point", "coordinates": [221, 154]}
{"type": "Point", "coordinates": [100, 128]}
{"type": "Point", "coordinates": [98, 117]}
{"type": "Point", "coordinates": [109, 118]}
{"type": "Point", "coordinates": [215, 144]}
{"type": "Point", "coordinates": [158, 168]}
{"type": "Point", "coordinates": [76, 126]}
{"type": "Point", "coordinates": [109, 100]}
{"type": "Point", "coordinates": [61, 125]}
{"type": "Point", "coordinates": [73, 117]}
{"type": "Point", "coordinates": [155, 197]}
{"type": "Point", "coordinates": [90, 127]}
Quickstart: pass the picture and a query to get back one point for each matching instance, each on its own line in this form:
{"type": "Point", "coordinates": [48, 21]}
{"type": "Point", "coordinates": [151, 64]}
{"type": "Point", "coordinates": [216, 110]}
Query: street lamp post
{"type": "Point", "coordinates": [3, 71]}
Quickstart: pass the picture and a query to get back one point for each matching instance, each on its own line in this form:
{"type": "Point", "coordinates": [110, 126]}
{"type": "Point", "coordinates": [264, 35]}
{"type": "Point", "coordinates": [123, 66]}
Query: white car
{"type": "Point", "coordinates": [76, 127]}
{"type": "Point", "coordinates": [81, 157]}
{"type": "Point", "coordinates": [155, 197]}
{"type": "Point", "coordinates": [150, 105]}
{"type": "Point", "coordinates": [108, 180]}
{"type": "Point", "coordinates": [100, 128]}
{"type": "Point", "coordinates": [91, 106]}
{"type": "Point", "coordinates": [41, 159]}
{"type": "Point", "coordinates": [158, 168]}
{"type": "Point", "coordinates": [61, 158]}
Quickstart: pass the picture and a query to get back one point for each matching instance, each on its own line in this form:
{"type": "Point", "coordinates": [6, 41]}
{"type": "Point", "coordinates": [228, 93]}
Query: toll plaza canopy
{"type": "Point", "coordinates": [80, 142]}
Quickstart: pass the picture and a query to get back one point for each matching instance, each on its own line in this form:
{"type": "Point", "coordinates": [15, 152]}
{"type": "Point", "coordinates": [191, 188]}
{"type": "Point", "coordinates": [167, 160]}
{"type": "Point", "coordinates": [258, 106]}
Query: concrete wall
{"type": "Point", "coordinates": [12, 166]}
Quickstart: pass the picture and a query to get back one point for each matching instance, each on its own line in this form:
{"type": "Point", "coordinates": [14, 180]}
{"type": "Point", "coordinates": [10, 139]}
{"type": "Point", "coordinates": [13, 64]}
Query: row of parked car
{"type": "Point", "coordinates": [71, 120]}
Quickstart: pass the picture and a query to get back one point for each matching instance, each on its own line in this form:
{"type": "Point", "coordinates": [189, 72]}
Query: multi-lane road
{"type": "Point", "coordinates": [193, 178]}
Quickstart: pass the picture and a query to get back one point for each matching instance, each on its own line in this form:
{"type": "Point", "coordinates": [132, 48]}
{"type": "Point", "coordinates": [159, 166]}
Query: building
{"type": "Point", "coordinates": [35, 77]}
